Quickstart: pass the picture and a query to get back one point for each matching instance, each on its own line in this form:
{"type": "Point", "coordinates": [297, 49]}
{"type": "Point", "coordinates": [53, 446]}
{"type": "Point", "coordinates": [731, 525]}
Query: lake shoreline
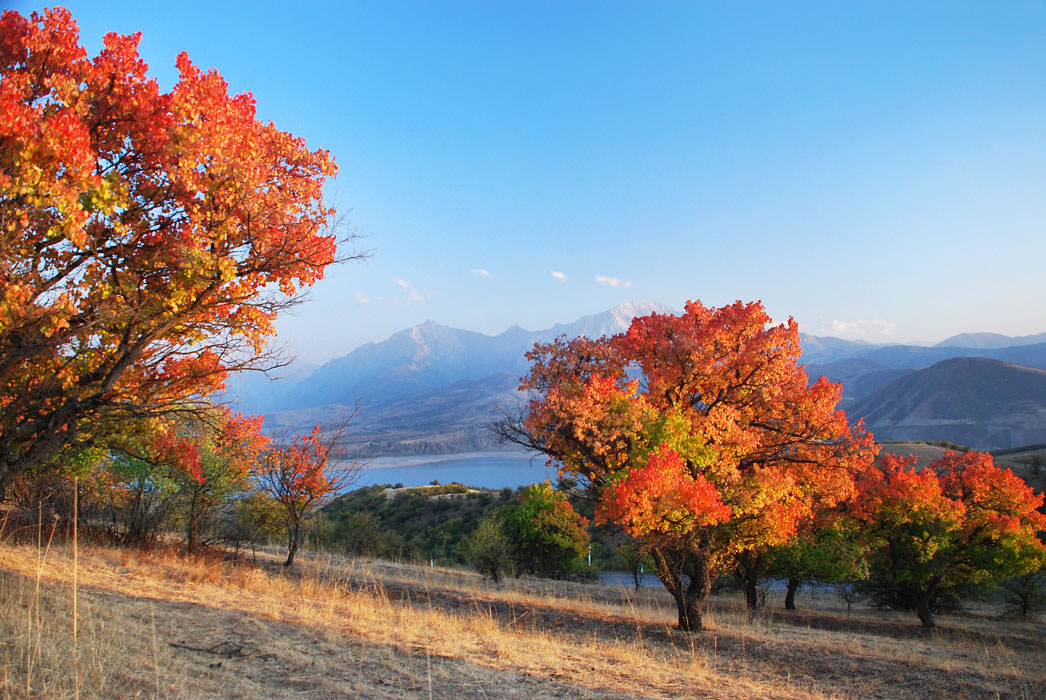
{"type": "Point", "coordinates": [488, 469]}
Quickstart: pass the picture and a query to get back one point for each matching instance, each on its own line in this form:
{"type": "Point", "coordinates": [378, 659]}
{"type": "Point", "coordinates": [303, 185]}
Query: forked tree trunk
{"type": "Point", "coordinates": [690, 595]}
{"type": "Point", "coordinates": [793, 586]}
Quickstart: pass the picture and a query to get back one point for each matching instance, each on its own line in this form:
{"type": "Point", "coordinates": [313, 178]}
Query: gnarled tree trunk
{"type": "Point", "coordinates": [689, 593]}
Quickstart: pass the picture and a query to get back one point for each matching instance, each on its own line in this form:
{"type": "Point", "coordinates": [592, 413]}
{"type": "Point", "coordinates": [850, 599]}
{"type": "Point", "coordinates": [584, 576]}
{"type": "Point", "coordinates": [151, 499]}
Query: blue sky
{"type": "Point", "coordinates": [875, 170]}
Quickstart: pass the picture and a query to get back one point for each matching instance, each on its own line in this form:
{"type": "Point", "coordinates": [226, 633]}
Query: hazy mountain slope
{"type": "Point", "coordinates": [416, 359]}
{"type": "Point", "coordinates": [421, 359]}
{"type": "Point", "coordinates": [919, 357]}
{"type": "Point", "coordinates": [859, 377]}
{"type": "Point", "coordinates": [991, 340]}
{"type": "Point", "coordinates": [825, 349]}
{"type": "Point", "coordinates": [431, 388]}
{"type": "Point", "coordinates": [454, 418]}
{"type": "Point", "coordinates": [876, 366]}
{"type": "Point", "coordinates": [979, 402]}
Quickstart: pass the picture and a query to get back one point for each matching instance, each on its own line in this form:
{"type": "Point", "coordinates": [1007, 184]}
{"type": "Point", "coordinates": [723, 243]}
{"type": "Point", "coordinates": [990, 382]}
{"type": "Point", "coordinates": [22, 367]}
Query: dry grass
{"type": "Point", "coordinates": [159, 625]}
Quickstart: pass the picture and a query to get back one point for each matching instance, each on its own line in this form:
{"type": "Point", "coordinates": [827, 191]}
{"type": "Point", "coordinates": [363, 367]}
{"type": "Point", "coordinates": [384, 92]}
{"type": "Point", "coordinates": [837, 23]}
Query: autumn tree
{"type": "Point", "coordinates": [297, 474]}
{"type": "Point", "coordinates": [229, 449]}
{"type": "Point", "coordinates": [1025, 594]}
{"type": "Point", "coordinates": [148, 239]}
{"type": "Point", "coordinates": [253, 517]}
{"type": "Point", "coordinates": [700, 434]}
{"type": "Point", "coordinates": [548, 536]}
{"type": "Point", "coordinates": [958, 522]}
{"type": "Point", "coordinates": [142, 497]}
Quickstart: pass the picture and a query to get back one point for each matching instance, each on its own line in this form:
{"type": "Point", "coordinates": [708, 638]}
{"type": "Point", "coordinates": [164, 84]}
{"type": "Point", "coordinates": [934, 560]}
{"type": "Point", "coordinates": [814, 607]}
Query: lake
{"type": "Point", "coordinates": [492, 470]}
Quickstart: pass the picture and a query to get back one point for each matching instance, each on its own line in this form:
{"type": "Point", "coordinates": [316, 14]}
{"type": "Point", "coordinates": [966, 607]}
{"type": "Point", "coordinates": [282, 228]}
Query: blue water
{"type": "Point", "coordinates": [492, 470]}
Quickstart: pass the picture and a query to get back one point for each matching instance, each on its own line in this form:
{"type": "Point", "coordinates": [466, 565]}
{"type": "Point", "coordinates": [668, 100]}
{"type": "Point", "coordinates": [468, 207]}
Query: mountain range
{"type": "Point", "coordinates": [435, 389]}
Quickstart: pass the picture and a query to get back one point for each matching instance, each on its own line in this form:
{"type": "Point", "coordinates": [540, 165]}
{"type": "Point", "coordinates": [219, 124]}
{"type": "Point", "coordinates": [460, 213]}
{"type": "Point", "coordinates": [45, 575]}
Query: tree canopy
{"type": "Point", "coordinates": [148, 239]}
{"type": "Point", "coordinates": [549, 536]}
{"type": "Point", "coordinates": [959, 521]}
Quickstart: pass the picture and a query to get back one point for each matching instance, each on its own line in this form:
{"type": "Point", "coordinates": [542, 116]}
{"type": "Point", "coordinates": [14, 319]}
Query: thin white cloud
{"type": "Point", "coordinates": [873, 328]}
{"type": "Point", "coordinates": [412, 294]}
{"type": "Point", "coordinates": [558, 275]}
{"type": "Point", "coordinates": [480, 272]}
{"type": "Point", "coordinates": [612, 281]}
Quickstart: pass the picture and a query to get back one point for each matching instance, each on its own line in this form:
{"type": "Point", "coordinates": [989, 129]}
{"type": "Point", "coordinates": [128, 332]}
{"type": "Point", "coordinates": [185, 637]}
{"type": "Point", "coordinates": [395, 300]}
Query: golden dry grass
{"type": "Point", "coordinates": [159, 625]}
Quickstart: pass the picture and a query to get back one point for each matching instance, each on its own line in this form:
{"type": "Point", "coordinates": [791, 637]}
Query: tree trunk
{"type": "Point", "coordinates": [922, 608]}
{"type": "Point", "coordinates": [192, 526]}
{"type": "Point", "coordinates": [749, 568]}
{"type": "Point", "coordinates": [690, 599]}
{"type": "Point", "coordinates": [793, 586]}
{"type": "Point", "coordinates": [751, 593]}
{"type": "Point", "coordinates": [292, 543]}
{"type": "Point", "coordinates": [690, 609]}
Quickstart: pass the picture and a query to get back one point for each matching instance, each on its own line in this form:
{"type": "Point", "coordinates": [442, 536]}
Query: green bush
{"type": "Point", "coordinates": [489, 549]}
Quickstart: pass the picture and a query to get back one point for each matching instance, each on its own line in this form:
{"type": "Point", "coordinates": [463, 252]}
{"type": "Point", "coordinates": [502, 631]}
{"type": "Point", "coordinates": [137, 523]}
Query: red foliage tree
{"type": "Point", "coordinates": [295, 472]}
{"type": "Point", "coordinates": [719, 447]}
{"type": "Point", "coordinates": [959, 521]}
{"type": "Point", "coordinates": [147, 239]}
{"type": "Point", "coordinates": [228, 450]}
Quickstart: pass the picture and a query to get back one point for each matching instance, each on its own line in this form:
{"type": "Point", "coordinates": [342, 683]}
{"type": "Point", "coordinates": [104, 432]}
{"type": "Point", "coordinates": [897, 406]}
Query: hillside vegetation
{"type": "Point", "coordinates": [156, 624]}
{"type": "Point", "coordinates": [408, 523]}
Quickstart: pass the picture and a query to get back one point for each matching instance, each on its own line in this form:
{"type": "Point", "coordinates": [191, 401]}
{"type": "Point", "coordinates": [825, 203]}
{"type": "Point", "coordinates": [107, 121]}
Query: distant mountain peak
{"type": "Point", "coordinates": [640, 308]}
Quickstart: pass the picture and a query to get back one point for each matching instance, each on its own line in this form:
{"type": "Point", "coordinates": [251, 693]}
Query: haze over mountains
{"type": "Point", "coordinates": [434, 389]}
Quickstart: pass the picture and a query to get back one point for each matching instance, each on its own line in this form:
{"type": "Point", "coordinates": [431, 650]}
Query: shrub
{"type": "Point", "coordinates": [489, 550]}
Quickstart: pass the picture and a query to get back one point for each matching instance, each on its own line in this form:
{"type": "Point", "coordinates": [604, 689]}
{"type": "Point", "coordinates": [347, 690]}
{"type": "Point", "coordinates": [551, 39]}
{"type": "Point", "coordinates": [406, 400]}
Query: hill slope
{"type": "Point", "coordinates": [157, 624]}
{"type": "Point", "coordinates": [979, 402]}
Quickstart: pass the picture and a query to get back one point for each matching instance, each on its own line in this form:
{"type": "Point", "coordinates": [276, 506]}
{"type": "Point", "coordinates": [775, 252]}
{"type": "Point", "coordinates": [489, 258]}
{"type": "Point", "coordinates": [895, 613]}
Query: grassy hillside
{"type": "Point", "coordinates": [158, 625]}
{"type": "Point", "coordinates": [418, 523]}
